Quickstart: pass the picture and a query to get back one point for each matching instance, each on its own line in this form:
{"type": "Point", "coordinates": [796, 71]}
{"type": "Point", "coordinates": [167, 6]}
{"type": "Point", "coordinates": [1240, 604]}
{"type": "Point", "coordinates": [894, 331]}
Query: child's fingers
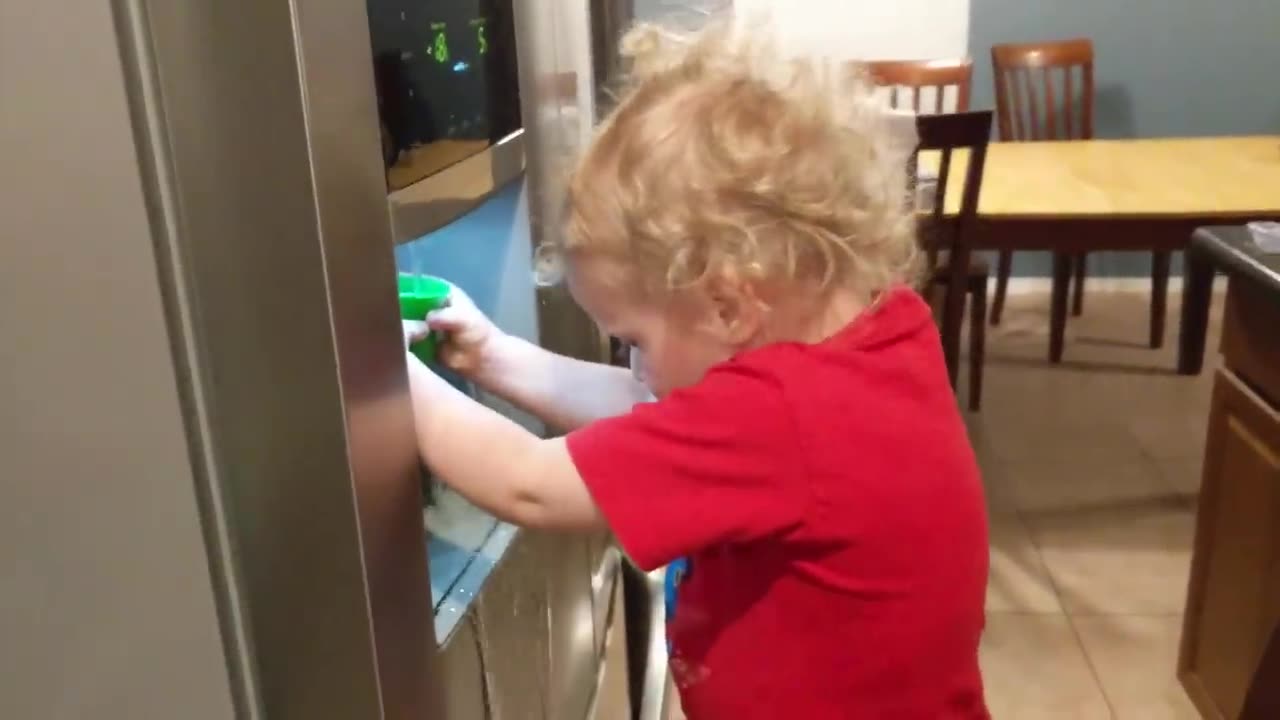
{"type": "Point", "coordinates": [447, 319]}
{"type": "Point", "coordinates": [414, 330]}
{"type": "Point", "coordinates": [455, 359]}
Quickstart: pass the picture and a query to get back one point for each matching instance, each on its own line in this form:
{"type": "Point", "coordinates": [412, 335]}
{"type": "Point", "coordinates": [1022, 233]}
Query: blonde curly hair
{"type": "Point", "coordinates": [720, 158]}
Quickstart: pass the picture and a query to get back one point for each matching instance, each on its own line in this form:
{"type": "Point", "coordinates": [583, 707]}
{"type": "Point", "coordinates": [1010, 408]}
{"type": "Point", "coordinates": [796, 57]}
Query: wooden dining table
{"type": "Point", "coordinates": [1084, 196]}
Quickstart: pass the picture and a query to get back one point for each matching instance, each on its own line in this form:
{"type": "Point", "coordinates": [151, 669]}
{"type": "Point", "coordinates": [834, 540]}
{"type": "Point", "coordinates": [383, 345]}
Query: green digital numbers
{"type": "Point", "coordinates": [439, 48]}
{"type": "Point", "coordinates": [482, 39]}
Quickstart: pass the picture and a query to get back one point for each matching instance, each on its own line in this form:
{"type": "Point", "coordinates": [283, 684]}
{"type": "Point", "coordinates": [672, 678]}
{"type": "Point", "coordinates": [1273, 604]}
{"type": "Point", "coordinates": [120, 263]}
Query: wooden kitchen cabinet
{"type": "Point", "coordinates": [1233, 600]}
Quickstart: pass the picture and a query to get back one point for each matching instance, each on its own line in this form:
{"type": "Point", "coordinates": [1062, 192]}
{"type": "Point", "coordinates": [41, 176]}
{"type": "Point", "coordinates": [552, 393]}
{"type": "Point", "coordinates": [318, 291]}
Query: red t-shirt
{"type": "Point", "coordinates": [831, 509]}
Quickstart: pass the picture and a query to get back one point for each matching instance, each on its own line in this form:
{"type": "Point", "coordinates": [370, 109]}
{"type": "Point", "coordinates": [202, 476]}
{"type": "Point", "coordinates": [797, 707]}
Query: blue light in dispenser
{"type": "Point", "coordinates": [461, 66]}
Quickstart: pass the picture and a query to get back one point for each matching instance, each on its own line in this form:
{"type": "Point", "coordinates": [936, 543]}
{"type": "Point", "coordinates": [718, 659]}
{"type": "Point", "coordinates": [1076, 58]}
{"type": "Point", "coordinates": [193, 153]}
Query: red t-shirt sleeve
{"type": "Point", "coordinates": [713, 464]}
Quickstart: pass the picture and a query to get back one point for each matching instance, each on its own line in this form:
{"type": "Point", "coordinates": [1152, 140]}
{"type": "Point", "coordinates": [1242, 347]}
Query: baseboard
{"type": "Point", "coordinates": [1042, 285]}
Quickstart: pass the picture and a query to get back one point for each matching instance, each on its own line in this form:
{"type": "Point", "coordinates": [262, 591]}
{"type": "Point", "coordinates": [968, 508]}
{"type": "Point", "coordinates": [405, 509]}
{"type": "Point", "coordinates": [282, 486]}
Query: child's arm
{"type": "Point", "coordinates": [563, 392]}
{"type": "Point", "coordinates": [493, 462]}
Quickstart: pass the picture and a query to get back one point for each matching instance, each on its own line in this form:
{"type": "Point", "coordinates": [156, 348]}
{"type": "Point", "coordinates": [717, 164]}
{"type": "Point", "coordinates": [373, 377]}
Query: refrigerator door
{"type": "Point", "coordinates": [110, 584]}
{"type": "Point", "coordinates": [220, 497]}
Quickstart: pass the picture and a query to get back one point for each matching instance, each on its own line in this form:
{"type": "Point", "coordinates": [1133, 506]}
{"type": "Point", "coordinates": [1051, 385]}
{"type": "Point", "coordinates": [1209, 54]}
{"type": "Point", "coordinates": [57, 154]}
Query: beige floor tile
{"type": "Point", "coordinates": [998, 488]}
{"type": "Point", "coordinates": [1133, 559]}
{"type": "Point", "coordinates": [1171, 435]}
{"type": "Point", "coordinates": [1182, 474]}
{"type": "Point", "coordinates": [1019, 367]}
{"type": "Point", "coordinates": [1135, 660]}
{"type": "Point", "coordinates": [1033, 667]}
{"type": "Point", "coordinates": [1087, 482]}
{"type": "Point", "coordinates": [1042, 413]}
{"type": "Point", "coordinates": [1099, 457]}
{"type": "Point", "coordinates": [1019, 581]}
{"type": "Point", "coordinates": [1119, 353]}
{"type": "Point", "coordinates": [1048, 435]}
{"type": "Point", "coordinates": [1137, 396]}
{"type": "Point", "coordinates": [1123, 352]}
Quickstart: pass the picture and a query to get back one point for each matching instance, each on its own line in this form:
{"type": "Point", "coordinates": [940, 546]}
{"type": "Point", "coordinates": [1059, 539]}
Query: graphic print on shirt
{"type": "Point", "coordinates": [683, 673]}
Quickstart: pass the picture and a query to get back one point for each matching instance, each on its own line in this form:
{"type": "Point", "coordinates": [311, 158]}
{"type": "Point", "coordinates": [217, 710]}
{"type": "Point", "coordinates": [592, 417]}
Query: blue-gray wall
{"type": "Point", "coordinates": [1163, 68]}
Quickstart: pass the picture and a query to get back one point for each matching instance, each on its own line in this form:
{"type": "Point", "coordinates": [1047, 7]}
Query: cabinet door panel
{"type": "Point", "coordinates": [1234, 596]}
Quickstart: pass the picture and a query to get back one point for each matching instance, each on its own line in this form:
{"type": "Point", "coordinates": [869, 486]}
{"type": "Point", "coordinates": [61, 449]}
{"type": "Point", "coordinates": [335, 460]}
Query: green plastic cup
{"type": "Point", "coordinates": [419, 295]}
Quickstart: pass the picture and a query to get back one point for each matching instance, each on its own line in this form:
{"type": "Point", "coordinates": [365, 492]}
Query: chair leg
{"type": "Point", "coordinates": [1160, 262]}
{"type": "Point", "coordinates": [1077, 300]}
{"type": "Point", "coordinates": [977, 342]}
{"type": "Point", "coordinates": [1058, 306]}
{"type": "Point", "coordinates": [1003, 269]}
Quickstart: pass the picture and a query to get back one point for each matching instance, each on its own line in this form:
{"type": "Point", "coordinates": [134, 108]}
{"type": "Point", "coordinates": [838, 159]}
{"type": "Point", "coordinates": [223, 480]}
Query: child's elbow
{"type": "Point", "coordinates": [527, 508]}
{"type": "Point", "coordinates": [549, 494]}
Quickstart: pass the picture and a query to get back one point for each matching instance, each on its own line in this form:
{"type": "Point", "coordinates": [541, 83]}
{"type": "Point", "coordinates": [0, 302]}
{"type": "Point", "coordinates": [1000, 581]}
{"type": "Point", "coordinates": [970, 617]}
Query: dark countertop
{"type": "Point", "coordinates": [1232, 250]}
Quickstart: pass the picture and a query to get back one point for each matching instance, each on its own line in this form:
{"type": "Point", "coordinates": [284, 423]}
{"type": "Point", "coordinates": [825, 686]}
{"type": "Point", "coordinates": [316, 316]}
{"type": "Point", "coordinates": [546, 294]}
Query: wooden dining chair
{"type": "Point", "coordinates": [948, 239]}
{"type": "Point", "coordinates": [1045, 91]}
{"type": "Point", "coordinates": [907, 81]}
{"type": "Point", "coordinates": [1028, 109]}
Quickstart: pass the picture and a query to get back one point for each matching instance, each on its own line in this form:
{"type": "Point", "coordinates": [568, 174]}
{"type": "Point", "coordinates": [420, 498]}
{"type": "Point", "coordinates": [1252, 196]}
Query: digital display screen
{"type": "Point", "coordinates": [446, 77]}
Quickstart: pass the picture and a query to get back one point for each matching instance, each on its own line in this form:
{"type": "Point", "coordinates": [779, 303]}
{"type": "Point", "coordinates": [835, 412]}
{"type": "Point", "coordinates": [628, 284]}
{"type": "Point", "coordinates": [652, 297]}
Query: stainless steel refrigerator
{"type": "Point", "coordinates": [210, 500]}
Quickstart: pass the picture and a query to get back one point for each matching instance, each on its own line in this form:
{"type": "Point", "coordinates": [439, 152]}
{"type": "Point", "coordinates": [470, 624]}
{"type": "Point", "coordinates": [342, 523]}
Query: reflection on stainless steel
{"type": "Point", "coordinates": [612, 700]}
{"type": "Point", "coordinates": [554, 43]}
{"type": "Point", "coordinates": [654, 700]}
{"type": "Point", "coordinates": [242, 187]}
{"type": "Point", "coordinates": [341, 128]}
{"type": "Point", "coordinates": [603, 580]}
{"type": "Point", "coordinates": [298, 346]}
{"type": "Point", "coordinates": [110, 594]}
{"type": "Point", "coordinates": [439, 199]}
{"type": "Point", "coordinates": [609, 18]}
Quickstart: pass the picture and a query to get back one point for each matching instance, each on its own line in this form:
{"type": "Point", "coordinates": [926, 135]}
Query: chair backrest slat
{"type": "Point", "coordinates": [1031, 110]}
{"type": "Point", "coordinates": [915, 76]}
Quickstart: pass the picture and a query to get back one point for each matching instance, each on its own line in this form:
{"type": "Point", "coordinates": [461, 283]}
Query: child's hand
{"type": "Point", "coordinates": [468, 336]}
{"type": "Point", "coordinates": [414, 330]}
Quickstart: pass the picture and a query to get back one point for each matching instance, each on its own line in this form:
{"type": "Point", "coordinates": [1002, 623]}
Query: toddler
{"type": "Point", "coordinates": [741, 223]}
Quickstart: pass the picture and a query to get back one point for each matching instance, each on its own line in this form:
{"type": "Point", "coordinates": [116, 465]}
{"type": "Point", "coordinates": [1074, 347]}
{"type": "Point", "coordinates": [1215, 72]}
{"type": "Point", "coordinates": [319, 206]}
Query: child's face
{"type": "Point", "coordinates": [672, 345]}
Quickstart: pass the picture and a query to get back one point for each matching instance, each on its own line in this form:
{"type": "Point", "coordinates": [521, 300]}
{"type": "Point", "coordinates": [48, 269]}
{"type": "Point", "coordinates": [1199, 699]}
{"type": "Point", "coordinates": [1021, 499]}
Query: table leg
{"type": "Point", "coordinates": [1062, 264]}
{"type": "Point", "coordinates": [1079, 268]}
{"type": "Point", "coordinates": [1197, 296]}
{"type": "Point", "coordinates": [1160, 262]}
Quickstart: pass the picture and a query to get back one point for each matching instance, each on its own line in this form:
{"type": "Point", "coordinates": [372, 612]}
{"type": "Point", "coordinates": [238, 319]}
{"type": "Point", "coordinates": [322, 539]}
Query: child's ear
{"type": "Point", "coordinates": [737, 311]}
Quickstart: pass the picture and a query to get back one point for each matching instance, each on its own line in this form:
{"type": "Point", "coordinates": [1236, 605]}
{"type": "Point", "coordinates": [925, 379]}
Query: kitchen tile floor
{"type": "Point", "coordinates": [1092, 469]}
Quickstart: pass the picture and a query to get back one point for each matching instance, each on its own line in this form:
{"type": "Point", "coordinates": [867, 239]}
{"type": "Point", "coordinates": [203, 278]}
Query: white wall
{"type": "Point", "coordinates": [869, 29]}
{"type": "Point", "coordinates": [848, 29]}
